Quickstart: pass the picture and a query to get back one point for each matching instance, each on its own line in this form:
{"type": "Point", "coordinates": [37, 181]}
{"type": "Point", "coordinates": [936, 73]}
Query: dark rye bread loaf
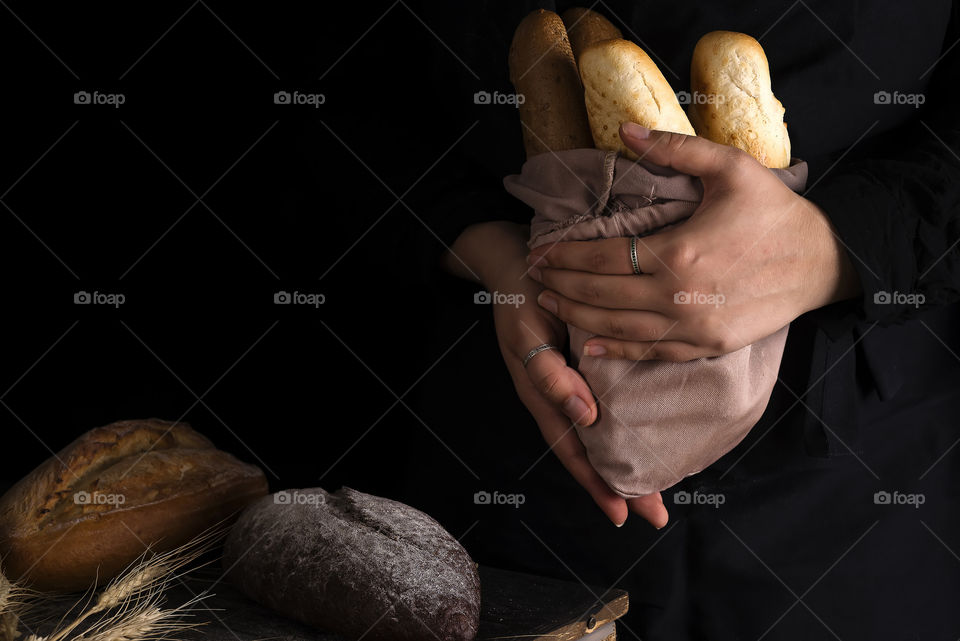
{"type": "Point", "coordinates": [355, 564]}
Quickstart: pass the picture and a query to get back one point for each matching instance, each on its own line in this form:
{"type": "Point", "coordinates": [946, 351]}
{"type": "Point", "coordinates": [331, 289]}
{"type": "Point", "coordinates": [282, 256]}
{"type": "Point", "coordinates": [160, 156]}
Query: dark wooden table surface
{"type": "Point", "coordinates": [515, 606]}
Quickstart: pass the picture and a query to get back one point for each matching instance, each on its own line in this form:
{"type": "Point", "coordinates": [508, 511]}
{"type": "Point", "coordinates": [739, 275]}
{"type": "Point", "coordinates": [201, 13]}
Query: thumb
{"type": "Point", "coordinates": [563, 386]}
{"type": "Point", "coordinates": [688, 154]}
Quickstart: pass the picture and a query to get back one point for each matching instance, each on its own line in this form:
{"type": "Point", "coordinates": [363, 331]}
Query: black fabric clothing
{"type": "Point", "coordinates": [869, 392]}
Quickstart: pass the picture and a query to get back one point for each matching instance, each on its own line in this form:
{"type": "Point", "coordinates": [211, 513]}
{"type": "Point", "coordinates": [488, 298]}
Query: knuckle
{"type": "Point", "coordinates": [597, 261]}
{"type": "Point", "coordinates": [652, 352]}
{"type": "Point", "coordinates": [724, 344]}
{"type": "Point", "coordinates": [615, 327]}
{"type": "Point", "coordinates": [549, 384]}
{"type": "Point", "coordinates": [736, 161]}
{"type": "Point", "coordinates": [589, 291]}
{"type": "Point", "coordinates": [674, 142]}
{"type": "Point", "coordinates": [616, 351]}
{"type": "Point", "coordinates": [680, 255]}
{"type": "Point", "coordinates": [718, 339]}
{"type": "Point", "coordinates": [675, 353]}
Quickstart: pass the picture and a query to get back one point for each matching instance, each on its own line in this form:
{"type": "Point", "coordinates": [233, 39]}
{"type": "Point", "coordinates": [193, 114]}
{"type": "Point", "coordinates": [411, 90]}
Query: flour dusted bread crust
{"type": "Point", "coordinates": [733, 103]}
{"type": "Point", "coordinates": [356, 564]}
{"type": "Point", "coordinates": [585, 27]}
{"type": "Point", "coordinates": [88, 511]}
{"type": "Point", "coordinates": [621, 83]}
{"type": "Point", "coordinates": [543, 71]}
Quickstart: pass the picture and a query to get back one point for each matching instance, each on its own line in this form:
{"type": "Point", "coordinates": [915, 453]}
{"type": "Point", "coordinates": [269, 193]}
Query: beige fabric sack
{"type": "Point", "coordinates": [658, 421]}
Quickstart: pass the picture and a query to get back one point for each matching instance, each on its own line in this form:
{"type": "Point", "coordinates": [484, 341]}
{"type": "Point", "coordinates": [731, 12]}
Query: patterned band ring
{"type": "Point", "coordinates": [633, 256]}
{"type": "Point", "coordinates": [536, 350]}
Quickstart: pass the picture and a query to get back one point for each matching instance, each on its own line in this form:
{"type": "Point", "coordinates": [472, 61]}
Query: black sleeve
{"type": "Point", "coordinates": [895, 203]}
{"type": "Point", "coordinates": [469, 47]}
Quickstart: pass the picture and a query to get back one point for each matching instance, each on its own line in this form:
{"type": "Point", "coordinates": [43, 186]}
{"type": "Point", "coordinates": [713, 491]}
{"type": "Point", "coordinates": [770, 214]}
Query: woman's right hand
{"type": "Point", "coordinates": [554, 393]}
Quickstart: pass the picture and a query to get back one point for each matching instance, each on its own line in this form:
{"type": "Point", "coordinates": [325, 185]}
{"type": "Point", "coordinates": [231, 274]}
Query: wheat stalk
{"type": "Point", "coordinates": [14, 600]}
{"type": "Point", "coordinates": [129, 606]}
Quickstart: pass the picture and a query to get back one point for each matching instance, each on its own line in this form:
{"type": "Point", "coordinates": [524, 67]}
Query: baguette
{"type": "Point", "coordinates": [733, 103]}
{"type": "Point", "coordinates": [359, 565]}
{"type": "Point", "coordinates": [85, 514]}
{"type": "Point", "coordinates": [621, 83]}
{"type": "Point", "coordinates": [585, 27]}
{"type": "Point", "coordinates": [543, 71]}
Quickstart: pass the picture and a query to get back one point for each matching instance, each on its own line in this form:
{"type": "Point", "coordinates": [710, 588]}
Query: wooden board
{"type": "Point", "coordinates": [515, 606]}
{"type": "Point", "coordinates": [523, 606]}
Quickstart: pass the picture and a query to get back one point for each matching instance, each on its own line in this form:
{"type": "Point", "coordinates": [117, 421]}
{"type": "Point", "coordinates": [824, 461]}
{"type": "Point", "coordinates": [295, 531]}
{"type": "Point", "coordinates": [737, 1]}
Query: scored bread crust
{"type": "Point", "coordinates": [585, 26]}
{"type": "Point", "coordinates": [543, 71]}
{"type": "Point", "coordinates": [174, 484]}
{"type": "Point", "coordinates": [733, 103]}
{"type": "Point", "coordinates": [622, 84]}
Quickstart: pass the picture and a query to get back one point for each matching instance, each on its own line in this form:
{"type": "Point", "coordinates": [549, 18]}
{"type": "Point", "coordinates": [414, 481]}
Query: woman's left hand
{"type": "Point", "coordinates": [751, 258]}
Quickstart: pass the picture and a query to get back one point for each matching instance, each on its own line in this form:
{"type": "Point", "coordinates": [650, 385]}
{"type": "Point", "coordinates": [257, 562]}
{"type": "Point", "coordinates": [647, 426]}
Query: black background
{"type": "Point", "coordinates": [291, 198]}
{"type": "Point", "coordinates": [100, 199]}
{"type": "Point", "coordinates": [295, 198]}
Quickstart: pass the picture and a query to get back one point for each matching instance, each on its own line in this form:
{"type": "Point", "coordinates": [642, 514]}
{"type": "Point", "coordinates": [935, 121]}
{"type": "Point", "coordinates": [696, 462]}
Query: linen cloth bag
{"type": "Point", "coordinates": [658, 421]}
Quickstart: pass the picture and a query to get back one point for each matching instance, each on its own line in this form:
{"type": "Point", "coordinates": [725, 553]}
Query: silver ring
{"type": "Point", "coordinates": [633, 256]}
{"type": "Point", "coordinates": [536, 350]}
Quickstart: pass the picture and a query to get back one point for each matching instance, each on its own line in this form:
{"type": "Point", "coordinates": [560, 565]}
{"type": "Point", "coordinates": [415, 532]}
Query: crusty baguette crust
{"type": "Point", "coordinates": [543, 71]}
{"type": "Point", "coordinates": [733, 101]}
{"type": "Point", "coordinates": [585, 27]}
{"type": "Point", "coordinates": [174, 484]}
{"type": "Point", "coordinates": [621, 83]}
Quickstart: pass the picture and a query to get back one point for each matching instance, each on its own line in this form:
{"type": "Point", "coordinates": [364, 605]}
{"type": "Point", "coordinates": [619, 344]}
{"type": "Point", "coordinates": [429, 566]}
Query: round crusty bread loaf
{"type": "Point", "coordinates": [621, 83]}
{"type": "Point", "coordinates": [56, 534]}
{"type": "Point", "coordinates": [732, 102]}
{"type": "Point", "coordinates": [585, 27]}
{"type": "Point", "coordinates": [543, 71]}
{"type": "Point", "coordinates": [355, 564]}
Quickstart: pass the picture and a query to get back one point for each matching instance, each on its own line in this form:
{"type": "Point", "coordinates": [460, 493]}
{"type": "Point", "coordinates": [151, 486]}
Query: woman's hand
{"type": "Point", "coordinates": [554, 393]}
{"type": "Point", "coordinates": [753, 257]}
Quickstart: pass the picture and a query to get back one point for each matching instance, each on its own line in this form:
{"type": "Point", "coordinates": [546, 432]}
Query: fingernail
{"type": "Point", "coordinates": [633, 130]}
{"type": "Point", "coordinates": [535, 273]}
{"type": "Point", "coordinates": [621, 523]}
{"type": "Point", "coordinates": [594, 350]}
{"type": "Point", "coordinates": [548, 302]}
{"type": "Point", "coordinates": [576, 409]}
